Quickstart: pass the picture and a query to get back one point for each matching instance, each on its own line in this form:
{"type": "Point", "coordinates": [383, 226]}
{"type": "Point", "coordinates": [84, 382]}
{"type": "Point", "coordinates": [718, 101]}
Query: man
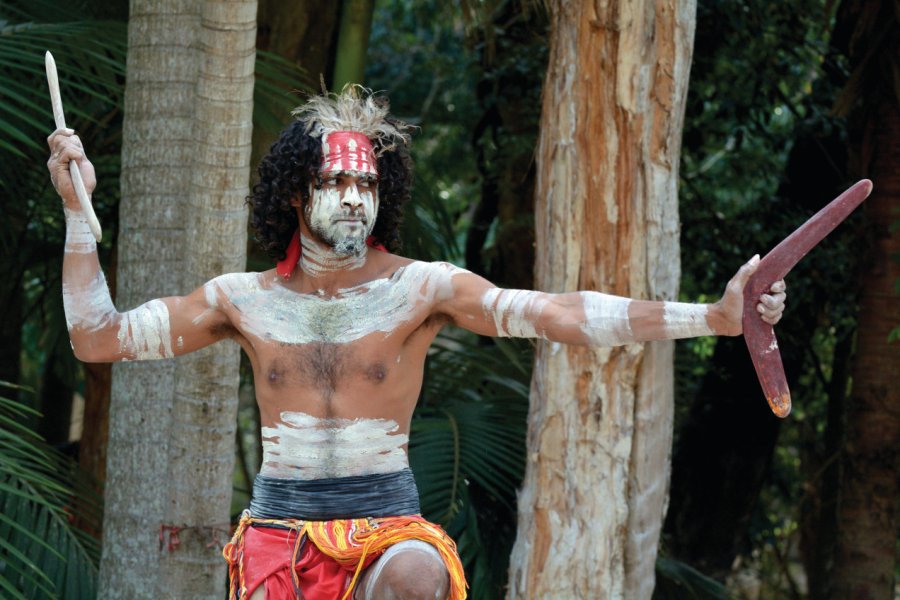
{"type": "Point", "coordinates": [337, 335]}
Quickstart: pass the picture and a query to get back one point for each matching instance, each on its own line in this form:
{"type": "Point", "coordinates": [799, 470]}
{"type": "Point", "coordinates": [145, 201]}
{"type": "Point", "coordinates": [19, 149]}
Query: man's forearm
{"type": "Point", "coordinates": [593, 318]}
{"type": "Point", "coordinates": [97, 330]}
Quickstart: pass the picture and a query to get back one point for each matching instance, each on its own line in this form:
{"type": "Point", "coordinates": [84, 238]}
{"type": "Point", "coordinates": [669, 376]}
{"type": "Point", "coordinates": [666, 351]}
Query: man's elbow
{"type": "Point", "coordinates": [87, 353]}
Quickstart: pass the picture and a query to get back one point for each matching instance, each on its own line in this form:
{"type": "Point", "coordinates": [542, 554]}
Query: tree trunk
{"type": "Point", "coordinates": [157, 159]}
{"type": "Point", "coordinates": [865, 562]}
{"type": "Point", "coordinates": [867, 517]}
{"type": "Point", "coordinates": [600, 424]}
{"type": "Point", "coordinates": [171, 446]}
{"type": "Point", "coordinates": [353, 43]}
{"type": "Point", "coordinates": [201, 450]}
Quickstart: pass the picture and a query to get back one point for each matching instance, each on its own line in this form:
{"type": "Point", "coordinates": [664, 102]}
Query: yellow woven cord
{"type": "Point", "coordinates": [350, 541]}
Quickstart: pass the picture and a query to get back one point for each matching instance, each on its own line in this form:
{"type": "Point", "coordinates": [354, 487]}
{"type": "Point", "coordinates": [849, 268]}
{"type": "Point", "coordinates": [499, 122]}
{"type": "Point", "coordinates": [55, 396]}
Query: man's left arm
{"type": "Point", "coordinates": [597, 319]}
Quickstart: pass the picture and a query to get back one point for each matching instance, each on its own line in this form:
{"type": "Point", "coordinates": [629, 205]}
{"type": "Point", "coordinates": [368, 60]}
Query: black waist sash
{"type": "Point", "coordinates": [378, 495]}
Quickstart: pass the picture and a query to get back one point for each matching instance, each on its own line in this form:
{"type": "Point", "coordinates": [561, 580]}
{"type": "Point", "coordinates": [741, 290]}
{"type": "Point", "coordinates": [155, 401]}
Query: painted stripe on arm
{"type": "Point", "coordinates": [515, 312]}
{"type": "Point", "coordinates": [145, 331]}
{"type": "Point", "coordinates": [606, 319]}
{"type": "Point", "coordinates": [686, 320]}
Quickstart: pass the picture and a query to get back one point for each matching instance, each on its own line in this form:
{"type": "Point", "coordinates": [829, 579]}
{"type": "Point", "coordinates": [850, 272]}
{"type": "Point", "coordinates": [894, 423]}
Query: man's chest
{"type": "Point", "coordinates": [279, 316]}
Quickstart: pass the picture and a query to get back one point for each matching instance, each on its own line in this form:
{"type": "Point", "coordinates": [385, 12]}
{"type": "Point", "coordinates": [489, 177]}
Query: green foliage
{"type": "Point", "coordinates": [417, 58]}
{"type": "Point", "coordinates": [676, 580]}
{"type": "Point", "coordinates": [467, 449]}
{"type": "Point", "coordinates": [48, 508]}
{"type": "Point", "coordinates": [762, 151]}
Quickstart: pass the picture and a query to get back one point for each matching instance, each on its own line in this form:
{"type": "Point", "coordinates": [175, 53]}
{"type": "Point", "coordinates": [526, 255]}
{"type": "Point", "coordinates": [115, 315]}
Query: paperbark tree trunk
{"type": "Point", "coordinates": [866, 556]}
{"type": "Point", "coordinates": [600, 424]}
{"type": "Point", "coordinates": [185, 169]}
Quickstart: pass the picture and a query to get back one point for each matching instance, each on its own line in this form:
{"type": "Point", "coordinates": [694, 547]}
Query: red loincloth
{"type": "Point", "coordinates": [328, 556]}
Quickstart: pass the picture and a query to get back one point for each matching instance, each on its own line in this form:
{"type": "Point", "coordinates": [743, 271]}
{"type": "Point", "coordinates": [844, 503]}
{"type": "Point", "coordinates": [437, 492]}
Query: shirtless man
{"type": "Point", "coordinates": [337, 335]}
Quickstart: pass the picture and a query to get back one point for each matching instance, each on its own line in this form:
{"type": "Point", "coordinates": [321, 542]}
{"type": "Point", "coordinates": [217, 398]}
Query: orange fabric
{"type": "Point", "coordinates": [328, 565]}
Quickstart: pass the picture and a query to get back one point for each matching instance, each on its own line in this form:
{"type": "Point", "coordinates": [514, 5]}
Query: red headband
{"type": "Point", "coordinates": [348, 151]}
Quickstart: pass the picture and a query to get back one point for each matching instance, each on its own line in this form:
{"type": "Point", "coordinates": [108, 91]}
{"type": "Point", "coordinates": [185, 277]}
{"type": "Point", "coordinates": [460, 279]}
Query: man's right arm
{"type": "Point", "coordinates": [161, 328]}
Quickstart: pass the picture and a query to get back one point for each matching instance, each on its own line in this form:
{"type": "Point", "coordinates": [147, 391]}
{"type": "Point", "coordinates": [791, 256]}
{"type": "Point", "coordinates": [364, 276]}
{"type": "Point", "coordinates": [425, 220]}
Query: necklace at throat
{"type": "Point", "coordinates": [317, 259]}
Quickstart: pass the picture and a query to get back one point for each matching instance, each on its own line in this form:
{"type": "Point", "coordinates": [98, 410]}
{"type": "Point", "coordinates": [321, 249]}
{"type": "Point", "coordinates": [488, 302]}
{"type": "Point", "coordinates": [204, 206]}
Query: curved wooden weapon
{"type": "Point", "coordinates": [759, 335]}
{"type": "Point", "coordinates": [59, 117]}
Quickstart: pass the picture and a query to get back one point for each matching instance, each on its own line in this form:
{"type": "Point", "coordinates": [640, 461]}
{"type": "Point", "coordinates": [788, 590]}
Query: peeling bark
{"type": "Point", "coordinates": [600, 423]}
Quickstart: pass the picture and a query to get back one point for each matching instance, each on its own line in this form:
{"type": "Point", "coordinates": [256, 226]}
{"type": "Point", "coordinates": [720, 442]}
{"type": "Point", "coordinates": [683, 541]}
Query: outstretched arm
{"type": "Point", "coordinates": [160, 328]}
{"type": "Point", "coordinates": [596, 319]}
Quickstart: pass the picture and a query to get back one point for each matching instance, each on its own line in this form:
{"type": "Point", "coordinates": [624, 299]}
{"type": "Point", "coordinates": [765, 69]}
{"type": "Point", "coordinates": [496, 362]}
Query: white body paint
{"type": "Point", "coordinates": [269, 311]}
{"type": "Point", "coordinates": [686, 320]}
{"type": "Point", "coordinates": [145, 331]}
{"type": "Point", "coordinates": [79, 237]}
{"type": "Point", "coordinates": [606, 319]}
{"type": "Point", "coordinates": [89, 307]}
{"type": "Point", "coordinates": [515, 312]}
{"type": "Point", "coordinates": [316, 261]}
{"type": "Point", "coordinates": [302, 446]}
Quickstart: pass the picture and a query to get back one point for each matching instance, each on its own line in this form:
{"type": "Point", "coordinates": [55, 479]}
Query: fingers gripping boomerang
{"type": "Point", "coordinates": [59, 117]}
{"type": "Point", "coordinates": [759, 335]}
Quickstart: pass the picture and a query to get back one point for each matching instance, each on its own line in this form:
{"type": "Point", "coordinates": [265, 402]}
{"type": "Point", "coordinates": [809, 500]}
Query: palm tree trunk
{"type": "Point", "coordinates": [600, 424]}
{"type": "Point", "coordinates": [353, 42]}
{"type": "Point", "coordinates": [156, 171]}
{"type": "Point", "coordinates": [201, 448]}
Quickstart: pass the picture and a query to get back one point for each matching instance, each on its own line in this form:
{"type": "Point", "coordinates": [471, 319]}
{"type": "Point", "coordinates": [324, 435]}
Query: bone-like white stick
{"type": "Point", "coordinates": [77, 181]}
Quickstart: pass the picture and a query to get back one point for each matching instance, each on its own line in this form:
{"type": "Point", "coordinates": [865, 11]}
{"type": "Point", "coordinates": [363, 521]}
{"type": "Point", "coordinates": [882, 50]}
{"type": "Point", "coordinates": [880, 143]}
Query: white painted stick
{"type": "Point", "coordinates": [77, 181]}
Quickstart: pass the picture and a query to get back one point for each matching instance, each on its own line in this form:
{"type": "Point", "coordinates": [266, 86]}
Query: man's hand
{"type": "Point", "coordinates": [65, 147]}
{"type": "Point", "coordinates": [725, 315]}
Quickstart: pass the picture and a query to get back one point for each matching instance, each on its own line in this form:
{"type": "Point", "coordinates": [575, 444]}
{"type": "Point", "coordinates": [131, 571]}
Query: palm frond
{"type": "Point", "coordinates": [43, 495]}
{"type": "Point", "coordinates": [92, 67]}
{"type": "Point", "coordinates": [676, 580]}
{"type": "Point", "coordinates": [467, 449]}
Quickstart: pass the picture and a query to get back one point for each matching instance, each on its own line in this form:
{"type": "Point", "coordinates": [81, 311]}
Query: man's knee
{"type": "Point", "coordinates": [410, 570]}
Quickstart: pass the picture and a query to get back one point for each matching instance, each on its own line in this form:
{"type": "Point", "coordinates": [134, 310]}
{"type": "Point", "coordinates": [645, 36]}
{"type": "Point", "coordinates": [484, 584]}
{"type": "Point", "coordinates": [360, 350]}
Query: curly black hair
{"type": "Point", "coordinates": [293, 163]}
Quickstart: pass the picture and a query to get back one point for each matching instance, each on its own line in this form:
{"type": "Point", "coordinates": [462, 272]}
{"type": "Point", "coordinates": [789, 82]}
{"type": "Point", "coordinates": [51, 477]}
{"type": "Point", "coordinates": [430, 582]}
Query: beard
{"type": "Point", "coordinates": [349, 244]}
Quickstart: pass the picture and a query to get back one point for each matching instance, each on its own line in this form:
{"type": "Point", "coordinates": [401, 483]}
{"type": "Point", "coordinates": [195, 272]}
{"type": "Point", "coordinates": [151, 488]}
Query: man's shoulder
{"type": "Point", "coordinates": [231, 284]}
{"type": "Point", "coordinates": [437, 267]}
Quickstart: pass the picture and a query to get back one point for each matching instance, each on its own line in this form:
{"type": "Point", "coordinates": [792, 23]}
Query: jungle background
{"type": "Point", "coordinates": [787, 104]}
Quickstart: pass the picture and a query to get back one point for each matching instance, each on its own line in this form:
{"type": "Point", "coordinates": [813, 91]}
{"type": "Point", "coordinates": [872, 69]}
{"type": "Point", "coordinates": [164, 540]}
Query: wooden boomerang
{"type": "Point", "coordinates": [759, 335]}
{"type": "Point", "coordinates": [74, 171]}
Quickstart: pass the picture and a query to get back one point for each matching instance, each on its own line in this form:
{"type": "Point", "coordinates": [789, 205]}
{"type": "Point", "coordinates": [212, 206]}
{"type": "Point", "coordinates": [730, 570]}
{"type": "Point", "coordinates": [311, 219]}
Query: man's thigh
{"type": "Point", "coordinates": [408, 570]}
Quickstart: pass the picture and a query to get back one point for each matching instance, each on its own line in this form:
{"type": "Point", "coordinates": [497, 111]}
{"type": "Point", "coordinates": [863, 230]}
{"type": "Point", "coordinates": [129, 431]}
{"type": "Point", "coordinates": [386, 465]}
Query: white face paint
{"type": "Point", "coordinates": [606, 319]}
{"type": "Point", "coordinates": [302, 446]}
{"type": "Point", "coordinates": [380, 306]}
{"type": "Point", "coordinates": [685, 320]}
{"type": "Point", "coordinates": [342, 212]}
